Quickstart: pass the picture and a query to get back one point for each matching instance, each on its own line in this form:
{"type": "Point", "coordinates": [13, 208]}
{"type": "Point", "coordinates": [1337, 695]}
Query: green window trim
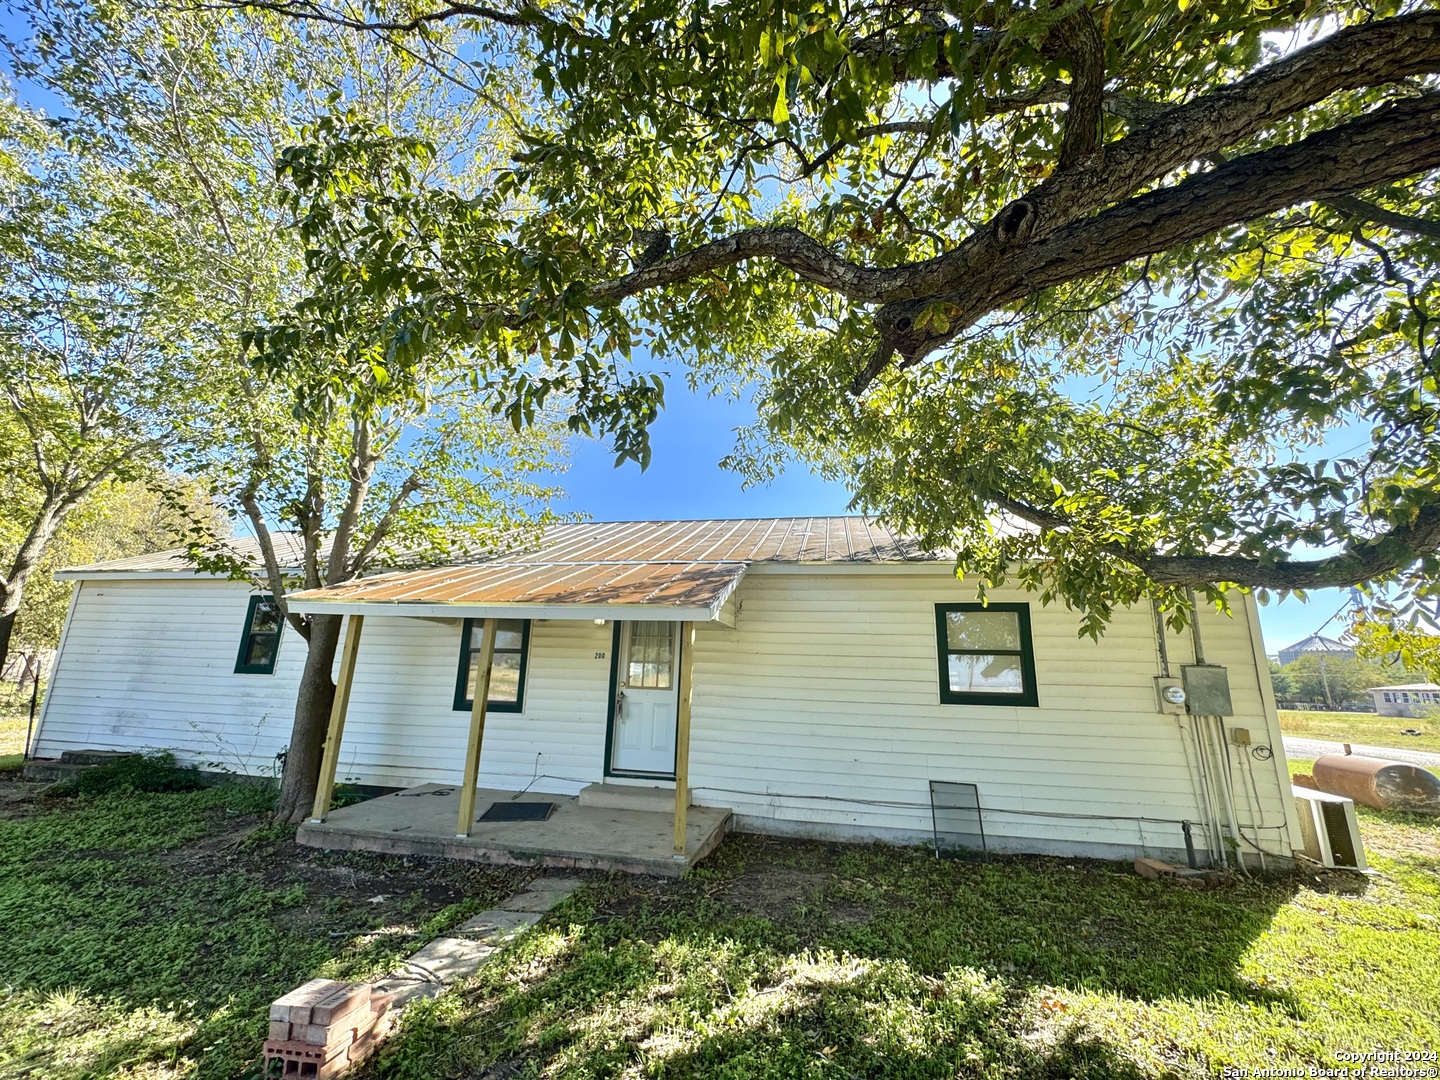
{"type": "Point", "coordinates": [1026, 697]}
{"type": "Point", "coordinates": [467, 651]}
{"type": "Point", "coordinates": [252, 640]}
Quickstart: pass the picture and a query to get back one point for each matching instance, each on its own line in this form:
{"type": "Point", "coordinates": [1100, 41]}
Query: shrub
{"type": "Point", "coordinates": [152, 772]}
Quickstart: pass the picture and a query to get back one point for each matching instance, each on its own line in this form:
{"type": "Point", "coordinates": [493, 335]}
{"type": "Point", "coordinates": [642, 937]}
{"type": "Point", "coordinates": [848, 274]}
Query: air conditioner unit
{"type": "Point", "coordinates": [1328, 829]}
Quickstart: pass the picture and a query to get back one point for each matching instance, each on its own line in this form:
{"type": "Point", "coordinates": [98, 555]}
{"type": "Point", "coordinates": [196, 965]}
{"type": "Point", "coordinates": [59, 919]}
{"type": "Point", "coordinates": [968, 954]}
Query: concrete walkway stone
{"type": "Point", "coordinates": [444, 961]}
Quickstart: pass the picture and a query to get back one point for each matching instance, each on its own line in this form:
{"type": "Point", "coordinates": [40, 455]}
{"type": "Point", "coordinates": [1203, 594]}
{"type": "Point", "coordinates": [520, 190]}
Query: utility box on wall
{"type": "Point", "coordinates": [1207, 690]}
{"type": "Point", "coordinates": [1169, 696]}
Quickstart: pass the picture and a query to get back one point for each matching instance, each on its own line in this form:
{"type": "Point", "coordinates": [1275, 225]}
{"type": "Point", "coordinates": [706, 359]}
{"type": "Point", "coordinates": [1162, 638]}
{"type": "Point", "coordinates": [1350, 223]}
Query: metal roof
{"type": "Point", "coordinates": [643, 569]}
{"type": "Point", "coordinates": [289, 551]}
{"type": "Point", "coordinates": [1315, 643]}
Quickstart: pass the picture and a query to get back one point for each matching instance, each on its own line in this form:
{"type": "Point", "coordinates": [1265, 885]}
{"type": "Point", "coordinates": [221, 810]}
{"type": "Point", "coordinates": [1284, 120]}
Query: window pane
{"type": "Point", "coordinates": [259, 650]}
{"type": "Point", "coordinates": [505, 678]}
{"type": "Point", "coordinates": [986, 673]}
{"type": "Point", "coordinates": [508, 634]}
{"type": "Point", "coordinates": [266, 619]}
{"type": "Point", "coordinates": [982, 630]}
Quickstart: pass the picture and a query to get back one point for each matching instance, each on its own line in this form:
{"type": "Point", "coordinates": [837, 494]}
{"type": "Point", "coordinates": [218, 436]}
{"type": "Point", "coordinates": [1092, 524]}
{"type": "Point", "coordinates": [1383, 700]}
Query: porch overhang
{"type": "Point", "coordinates": [632, 591]}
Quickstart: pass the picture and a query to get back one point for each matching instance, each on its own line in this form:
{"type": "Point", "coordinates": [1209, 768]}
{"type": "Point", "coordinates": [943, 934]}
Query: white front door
{"type": "Point", "coordinates": [646, 698]}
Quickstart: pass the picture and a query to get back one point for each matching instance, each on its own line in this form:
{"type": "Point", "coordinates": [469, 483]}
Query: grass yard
{"type": "Point", "coordinates": [1366, 728]}
{"type": "Point", "coordinates": [785, 959]}
{"type": "Point", "coordinates": [146, 933]}
{"type": "Point", "coordinates": [12, 734]}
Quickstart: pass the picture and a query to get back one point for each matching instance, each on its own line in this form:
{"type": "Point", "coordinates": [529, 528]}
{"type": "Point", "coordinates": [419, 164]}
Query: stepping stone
{"type": "Point", "coordinates": [496, 926]}
{"type": "Point", "coordinates": [446, 959]}
{"type": "Point", "coordinates": [543, 894]}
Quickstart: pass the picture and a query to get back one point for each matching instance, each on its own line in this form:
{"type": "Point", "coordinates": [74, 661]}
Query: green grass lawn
{"type": "Point", "coordinates": [12, 733]}
{"type": "Point", "coordinates": [1367, 728]}
{"type": "Point", "coordinates": [782, 960]}
{"type": "Point", "coordinates": [145, 935]}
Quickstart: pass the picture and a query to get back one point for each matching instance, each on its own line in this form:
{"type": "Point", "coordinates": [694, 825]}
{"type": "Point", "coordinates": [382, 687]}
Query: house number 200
{"type": "Point", "coordinates": [599, 656]}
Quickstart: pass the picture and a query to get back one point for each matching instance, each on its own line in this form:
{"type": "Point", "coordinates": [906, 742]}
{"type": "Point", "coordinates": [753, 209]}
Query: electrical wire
{"type": "Point", "coordinates": [901, 804]}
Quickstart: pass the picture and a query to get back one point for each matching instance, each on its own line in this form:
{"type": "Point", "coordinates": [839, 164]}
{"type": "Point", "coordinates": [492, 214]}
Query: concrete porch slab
{"type": "Point", "coordinates": [421, 821]}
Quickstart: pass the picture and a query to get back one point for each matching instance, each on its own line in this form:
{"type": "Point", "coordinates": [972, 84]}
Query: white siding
{"type": "Point", "coordinates": [150, 665]}
{"type": "Point", "coordinates": [821, 714]}
{"type": "Point", "coordinates": [818, 714]}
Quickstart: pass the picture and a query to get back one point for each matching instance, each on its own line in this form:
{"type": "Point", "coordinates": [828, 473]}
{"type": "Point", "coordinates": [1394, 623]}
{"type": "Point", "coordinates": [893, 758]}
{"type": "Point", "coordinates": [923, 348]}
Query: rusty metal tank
{"type": "Point", "coordinates": [1385, 785]}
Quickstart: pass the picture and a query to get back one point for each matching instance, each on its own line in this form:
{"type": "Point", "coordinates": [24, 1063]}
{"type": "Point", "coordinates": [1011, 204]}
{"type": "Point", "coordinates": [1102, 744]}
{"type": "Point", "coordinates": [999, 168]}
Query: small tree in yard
{"type": "Point", "coordinates": [321, 434]}
{"type": "Point", "coordinates": [103, 358]}
{"type": "Point", "coordinates": [367, 462]}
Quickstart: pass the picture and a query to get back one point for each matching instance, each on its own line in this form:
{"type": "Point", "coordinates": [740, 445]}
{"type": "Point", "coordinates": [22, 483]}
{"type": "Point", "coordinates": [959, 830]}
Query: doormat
{"type": "Point", "coordinates": [518, 811]}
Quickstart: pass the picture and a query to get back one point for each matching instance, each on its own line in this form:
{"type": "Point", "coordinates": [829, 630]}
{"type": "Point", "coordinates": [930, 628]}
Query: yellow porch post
{"type": "Point", "coordinates": [477, 731]}
{"type": "Point", "coordinates": [330, 759]}
{"type": "Point", "coordinates": [682, 734]}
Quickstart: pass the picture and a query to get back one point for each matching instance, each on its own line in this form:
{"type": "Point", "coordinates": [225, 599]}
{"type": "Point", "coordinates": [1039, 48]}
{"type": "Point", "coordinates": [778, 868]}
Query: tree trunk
{"type": "Point", "coordinates": [312, 718]}
{"type": "Point", "coordinates": [7, 627]}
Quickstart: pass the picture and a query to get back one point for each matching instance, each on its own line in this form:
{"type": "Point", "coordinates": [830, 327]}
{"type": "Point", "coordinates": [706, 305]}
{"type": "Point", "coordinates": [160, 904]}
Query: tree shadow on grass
{"type": "Point", "coordinates": [175, 921]}
{"type": "Point", "coordinates": [786, 959]}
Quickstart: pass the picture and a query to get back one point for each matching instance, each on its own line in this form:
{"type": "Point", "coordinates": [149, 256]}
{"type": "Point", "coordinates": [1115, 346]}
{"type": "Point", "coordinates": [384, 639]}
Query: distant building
{"type": "Point", "coordinates": [1315, 645]}
{"type": "Point", "coordinates": [1413, 699]}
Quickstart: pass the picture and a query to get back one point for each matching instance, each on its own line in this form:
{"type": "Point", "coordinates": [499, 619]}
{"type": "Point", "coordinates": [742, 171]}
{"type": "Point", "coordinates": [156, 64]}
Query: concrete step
{"type": "Point", "coordinates": [48, 770]}
{"type": "Point", "coordinates": [94, 757]}
{"type": "Point", "coordinates": [656, 800]}
{"type": "Point", "coordinates": [68, 764]}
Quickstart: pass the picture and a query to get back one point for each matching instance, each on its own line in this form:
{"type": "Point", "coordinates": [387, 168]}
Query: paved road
{"type": "Point", "coordinates": [1313, 748]}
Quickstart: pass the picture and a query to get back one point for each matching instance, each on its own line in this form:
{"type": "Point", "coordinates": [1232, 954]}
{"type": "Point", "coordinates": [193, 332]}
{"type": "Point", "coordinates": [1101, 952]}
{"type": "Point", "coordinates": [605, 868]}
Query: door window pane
{"type": "Point", "coordinates": [650, 659]}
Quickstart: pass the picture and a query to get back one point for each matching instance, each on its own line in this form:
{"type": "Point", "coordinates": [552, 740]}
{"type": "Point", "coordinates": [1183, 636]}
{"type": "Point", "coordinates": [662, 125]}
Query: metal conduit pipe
{"type": "Point", "coordinates": [1222, 766]}
{"type": "Point", "coordinates": [1214, 839]}
{"type": "Point", "coordinates": [1194, 769]}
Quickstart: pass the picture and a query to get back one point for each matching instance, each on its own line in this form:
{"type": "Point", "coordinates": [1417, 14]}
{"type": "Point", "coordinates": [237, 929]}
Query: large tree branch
{"type": "Point", "coordinates": [273, 575]}
{"type": "Point", "coordinates": [525, 16]}
{"type": "Point", "coordinates": [1083, 47]}
{"type": "Point", "coordinates": [1027, 232]}
{"type": "Point", "coordinates": [1360, 561]}
{"type": "Point", "coordinates": [1394, 141]}
{"type": "Point", "coordinates": [378, 534]}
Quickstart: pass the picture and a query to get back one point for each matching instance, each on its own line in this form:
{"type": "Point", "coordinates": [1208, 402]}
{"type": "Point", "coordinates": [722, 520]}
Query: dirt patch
{"type": "Point", "coordinates": [17, 798]}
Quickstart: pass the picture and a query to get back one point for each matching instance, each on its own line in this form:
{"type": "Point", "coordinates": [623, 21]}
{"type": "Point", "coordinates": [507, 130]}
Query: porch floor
{"type": "Point", "coordinates": [421, 821]}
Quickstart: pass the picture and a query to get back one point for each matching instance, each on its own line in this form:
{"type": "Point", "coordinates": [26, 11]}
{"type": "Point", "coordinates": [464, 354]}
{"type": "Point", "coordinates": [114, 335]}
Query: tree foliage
{"type": "Point", "coordinates": [1331, 681]}
{"type": "Point", "coordinates": [115, 521]}
{"type": "Point", "coordinates": [368, 452]}
{"type": "Point", "coordinates": [104, 355]}
{"type": "Point", "coordinates": [1127, 299]}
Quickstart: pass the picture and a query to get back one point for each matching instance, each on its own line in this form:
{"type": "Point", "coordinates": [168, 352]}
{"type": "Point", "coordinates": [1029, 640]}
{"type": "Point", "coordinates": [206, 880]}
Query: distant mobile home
{"type": "Point", "coordinates": [804, 676]}
{"type": "Point", "coordinates": [1411, 699]}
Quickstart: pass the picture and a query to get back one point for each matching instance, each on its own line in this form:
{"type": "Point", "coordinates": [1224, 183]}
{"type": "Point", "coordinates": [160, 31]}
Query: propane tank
{"type": "Point", "coordinates": [1385, 785]}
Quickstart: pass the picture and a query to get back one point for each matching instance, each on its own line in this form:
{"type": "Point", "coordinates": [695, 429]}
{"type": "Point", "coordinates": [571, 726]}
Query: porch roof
{"type": "Point", "coordinates": [638, 591]}
{"type": "Point", "coordinates": [636, 570]}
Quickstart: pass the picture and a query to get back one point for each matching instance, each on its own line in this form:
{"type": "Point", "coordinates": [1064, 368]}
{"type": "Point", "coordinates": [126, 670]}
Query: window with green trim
{"type": "Point", "coordinates": [986, 655]}
{"type": "Point", "coordinates": [260, 643]}
{"type": "Point", "coordinates": [507, 675]}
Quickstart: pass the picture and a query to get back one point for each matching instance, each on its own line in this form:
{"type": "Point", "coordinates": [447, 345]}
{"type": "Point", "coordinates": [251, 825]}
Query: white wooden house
{"type": "Point", "coordinates": [831, 670]}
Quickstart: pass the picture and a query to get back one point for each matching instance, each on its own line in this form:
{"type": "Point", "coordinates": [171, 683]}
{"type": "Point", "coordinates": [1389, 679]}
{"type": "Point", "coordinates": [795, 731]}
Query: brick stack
{"type": "Point", "coordinates": [321, 1029]}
